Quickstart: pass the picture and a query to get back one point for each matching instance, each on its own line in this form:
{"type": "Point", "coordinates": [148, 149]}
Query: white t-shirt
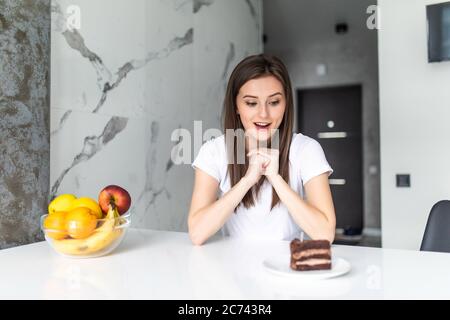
{"type": "Point", "coordinates": [306, 160]}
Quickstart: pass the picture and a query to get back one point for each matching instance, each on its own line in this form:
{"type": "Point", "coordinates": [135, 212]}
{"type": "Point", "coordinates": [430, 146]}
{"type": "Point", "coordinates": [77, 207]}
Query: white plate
{"type": "Point", "coordinates": [280, 265]}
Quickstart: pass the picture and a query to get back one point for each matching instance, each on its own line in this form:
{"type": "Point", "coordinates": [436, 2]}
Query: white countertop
{"type": "Point", "coordinates": [165, 265]}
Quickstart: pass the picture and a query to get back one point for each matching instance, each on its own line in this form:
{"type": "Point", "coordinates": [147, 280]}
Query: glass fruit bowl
{"type": "Point", "coordinates": [84, 239]}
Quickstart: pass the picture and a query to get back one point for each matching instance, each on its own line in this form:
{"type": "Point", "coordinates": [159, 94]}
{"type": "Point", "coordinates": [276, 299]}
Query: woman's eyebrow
{"type": "Point", "coordinates": [272, 95]}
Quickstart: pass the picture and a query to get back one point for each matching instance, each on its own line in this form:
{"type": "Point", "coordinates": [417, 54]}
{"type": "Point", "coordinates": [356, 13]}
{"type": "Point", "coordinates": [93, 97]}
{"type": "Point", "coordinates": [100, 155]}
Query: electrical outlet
{"type": "Point", "coordinates": [403, 181]}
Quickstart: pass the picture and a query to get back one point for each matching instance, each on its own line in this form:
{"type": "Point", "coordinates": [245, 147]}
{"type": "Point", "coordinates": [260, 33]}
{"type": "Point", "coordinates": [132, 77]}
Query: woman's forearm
{"type": "Point", "coordinates": [207, 221]}
{"type": "Point", "coordinates": [310, 219]}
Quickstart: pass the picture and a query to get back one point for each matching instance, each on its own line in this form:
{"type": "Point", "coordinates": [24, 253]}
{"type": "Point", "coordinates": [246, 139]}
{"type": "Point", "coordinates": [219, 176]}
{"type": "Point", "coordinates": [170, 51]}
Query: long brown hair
{"type": "Point", "coordinates": [250, 68]}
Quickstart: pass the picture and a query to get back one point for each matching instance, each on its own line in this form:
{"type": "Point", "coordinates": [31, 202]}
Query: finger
{"type": "Point", "coordinates": [271, 152]}
{"type": "Point", "coordinates": [264, 155]}
{"type": "Point", "coordinates": [263, 151]}
{"type": "Point", "coordinates": [252, 152]}
{"type": "Point", "coordinates": [274, 151]}
{"type": "Point", "coordinates": [259, 159]}
{"type": "Point", "coordinates": [267, 150]}
{"type": "Point", "coordinates": [254, 159]}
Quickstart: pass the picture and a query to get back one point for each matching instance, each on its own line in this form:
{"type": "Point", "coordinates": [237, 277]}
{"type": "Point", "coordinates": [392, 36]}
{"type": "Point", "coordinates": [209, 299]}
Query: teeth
{"type": "Point", "coordinates": [261, 124]}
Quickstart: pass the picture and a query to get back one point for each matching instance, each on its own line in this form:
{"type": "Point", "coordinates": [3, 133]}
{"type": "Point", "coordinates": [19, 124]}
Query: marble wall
{"type": "Point", "coordinates": [24, 119]}
{"type": "Point", "coordinates": [125, 78]}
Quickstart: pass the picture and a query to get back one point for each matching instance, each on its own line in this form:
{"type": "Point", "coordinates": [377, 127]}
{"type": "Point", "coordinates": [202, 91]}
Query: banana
{"type": "Point", "coordinates": [102, 237]}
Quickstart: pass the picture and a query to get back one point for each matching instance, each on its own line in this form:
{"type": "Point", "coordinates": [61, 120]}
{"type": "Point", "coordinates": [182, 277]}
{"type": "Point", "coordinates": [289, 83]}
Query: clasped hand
{"type": "Point", "coordinates": [262, 161]}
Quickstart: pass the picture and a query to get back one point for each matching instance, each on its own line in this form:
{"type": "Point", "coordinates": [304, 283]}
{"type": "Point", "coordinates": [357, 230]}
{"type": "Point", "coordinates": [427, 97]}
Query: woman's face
{"type": "Point", "coordinates": [261, 104]}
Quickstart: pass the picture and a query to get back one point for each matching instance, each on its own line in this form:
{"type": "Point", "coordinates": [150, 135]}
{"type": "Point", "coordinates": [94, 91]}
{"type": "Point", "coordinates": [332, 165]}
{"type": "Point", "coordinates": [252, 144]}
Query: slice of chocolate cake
{"type": "Point", "coordinates": [310, 255]}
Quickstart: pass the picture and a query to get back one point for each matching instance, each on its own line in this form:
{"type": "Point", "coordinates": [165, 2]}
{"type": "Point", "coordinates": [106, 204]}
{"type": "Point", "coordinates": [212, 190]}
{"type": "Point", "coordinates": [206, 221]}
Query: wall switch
{"type": "Point", "coordinates": [403, 181]}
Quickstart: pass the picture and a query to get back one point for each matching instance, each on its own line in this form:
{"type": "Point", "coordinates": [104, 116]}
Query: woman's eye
{"type": "Point", "coordinates": [250, 104]}
{"type": "Point", "coordinates": [275, 103]}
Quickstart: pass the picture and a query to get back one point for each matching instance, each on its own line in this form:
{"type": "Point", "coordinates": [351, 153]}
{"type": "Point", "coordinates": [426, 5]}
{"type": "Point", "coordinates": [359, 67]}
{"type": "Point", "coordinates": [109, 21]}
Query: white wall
{"type": "Point", "coordinates": [414, 117]}
{"type": "Point", "coordinates": [303, 43]}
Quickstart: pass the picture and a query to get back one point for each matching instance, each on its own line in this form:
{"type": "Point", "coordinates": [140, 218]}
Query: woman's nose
{"type": "Point", "coordinates": [263, 111]}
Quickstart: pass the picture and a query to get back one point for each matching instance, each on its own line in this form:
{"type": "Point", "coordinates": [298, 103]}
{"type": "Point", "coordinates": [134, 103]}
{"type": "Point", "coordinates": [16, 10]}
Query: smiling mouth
{"type": "Point", "coordinates": [262, 125]}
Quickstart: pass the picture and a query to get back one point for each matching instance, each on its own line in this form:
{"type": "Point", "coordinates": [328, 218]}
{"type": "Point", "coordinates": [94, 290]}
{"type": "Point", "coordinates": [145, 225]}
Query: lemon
{"type": "Point", "coordinates": [55, 225]}
{"type": "Point", "coordinates": [61, 203]}
{"type": "Point", "coordinates": [91, 204]}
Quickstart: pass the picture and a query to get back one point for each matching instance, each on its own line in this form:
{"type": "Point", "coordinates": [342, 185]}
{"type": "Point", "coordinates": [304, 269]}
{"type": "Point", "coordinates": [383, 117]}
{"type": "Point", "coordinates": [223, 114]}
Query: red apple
{"type": "Point", "coordinates": [115, 195]}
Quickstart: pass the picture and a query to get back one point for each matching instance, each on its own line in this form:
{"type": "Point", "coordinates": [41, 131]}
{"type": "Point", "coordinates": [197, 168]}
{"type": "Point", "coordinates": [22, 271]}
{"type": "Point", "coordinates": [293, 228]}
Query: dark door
{"type": "Point", "coordinates": [332, 116]}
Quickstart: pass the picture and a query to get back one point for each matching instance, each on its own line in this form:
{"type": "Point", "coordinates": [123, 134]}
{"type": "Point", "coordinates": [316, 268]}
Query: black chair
{"type": "Point", "coordinates": [437, 232]}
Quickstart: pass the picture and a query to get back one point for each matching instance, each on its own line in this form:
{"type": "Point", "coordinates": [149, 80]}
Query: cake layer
{"type": "Point", "coordinates": [313, 261]}
{"type": "Point", "coordinates": [311, 253]}
{"type": "Point", "coordinates": [305, 267]}
{"type": "Point", "coordinates": [316, 256]}
{"type": "Point", "coordinates": [296, 245]}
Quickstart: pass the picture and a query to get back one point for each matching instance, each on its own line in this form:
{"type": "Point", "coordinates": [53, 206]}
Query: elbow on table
{"type": "Point", "coordinates": [331, 237]}
{"type": "Point", "coordinates": [193, 233]}
{"type": "Point", "coordinates": [330, 232]}
{"type": "Point", "coordinates": [325, 236]}
{"type": "Point", "coordinates": [196, 238]}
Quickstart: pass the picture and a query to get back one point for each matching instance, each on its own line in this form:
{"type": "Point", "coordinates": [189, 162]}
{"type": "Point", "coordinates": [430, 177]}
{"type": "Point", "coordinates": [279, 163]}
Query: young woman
{"type": "Point", "coordinates": [275, 192]}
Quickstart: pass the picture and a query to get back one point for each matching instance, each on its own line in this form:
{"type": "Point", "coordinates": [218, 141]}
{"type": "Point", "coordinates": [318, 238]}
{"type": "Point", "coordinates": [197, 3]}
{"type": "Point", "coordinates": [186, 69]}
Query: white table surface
{"type": "Point", "coordinates": [165, 265]}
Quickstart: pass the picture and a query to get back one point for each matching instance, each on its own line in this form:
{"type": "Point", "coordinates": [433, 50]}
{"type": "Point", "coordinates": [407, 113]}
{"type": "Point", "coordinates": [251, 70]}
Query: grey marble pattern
{"type": "Point", "coordinates": [61, 122]}
{"type": "Point", "coordinates": [231, 55]}
{"type": "Point", "coordinates": [150, 189]}
{"type": "Point", "coordinates": [198, 4]}
{"type": "Point", "coordinates": [24, 119]}
{"type": "Point", "coordinates": [175, 44]}
{"type": "Point", "coordinates": [92, 145]}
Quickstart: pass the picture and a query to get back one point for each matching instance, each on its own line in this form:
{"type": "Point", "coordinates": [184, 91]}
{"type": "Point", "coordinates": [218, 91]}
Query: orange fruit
{"type": "Point", "coordinates": [55, 225]}
{"type": "Point", "coordinates": [80, 223]}
{"type": "Point", "coordinates": [89, 203]}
